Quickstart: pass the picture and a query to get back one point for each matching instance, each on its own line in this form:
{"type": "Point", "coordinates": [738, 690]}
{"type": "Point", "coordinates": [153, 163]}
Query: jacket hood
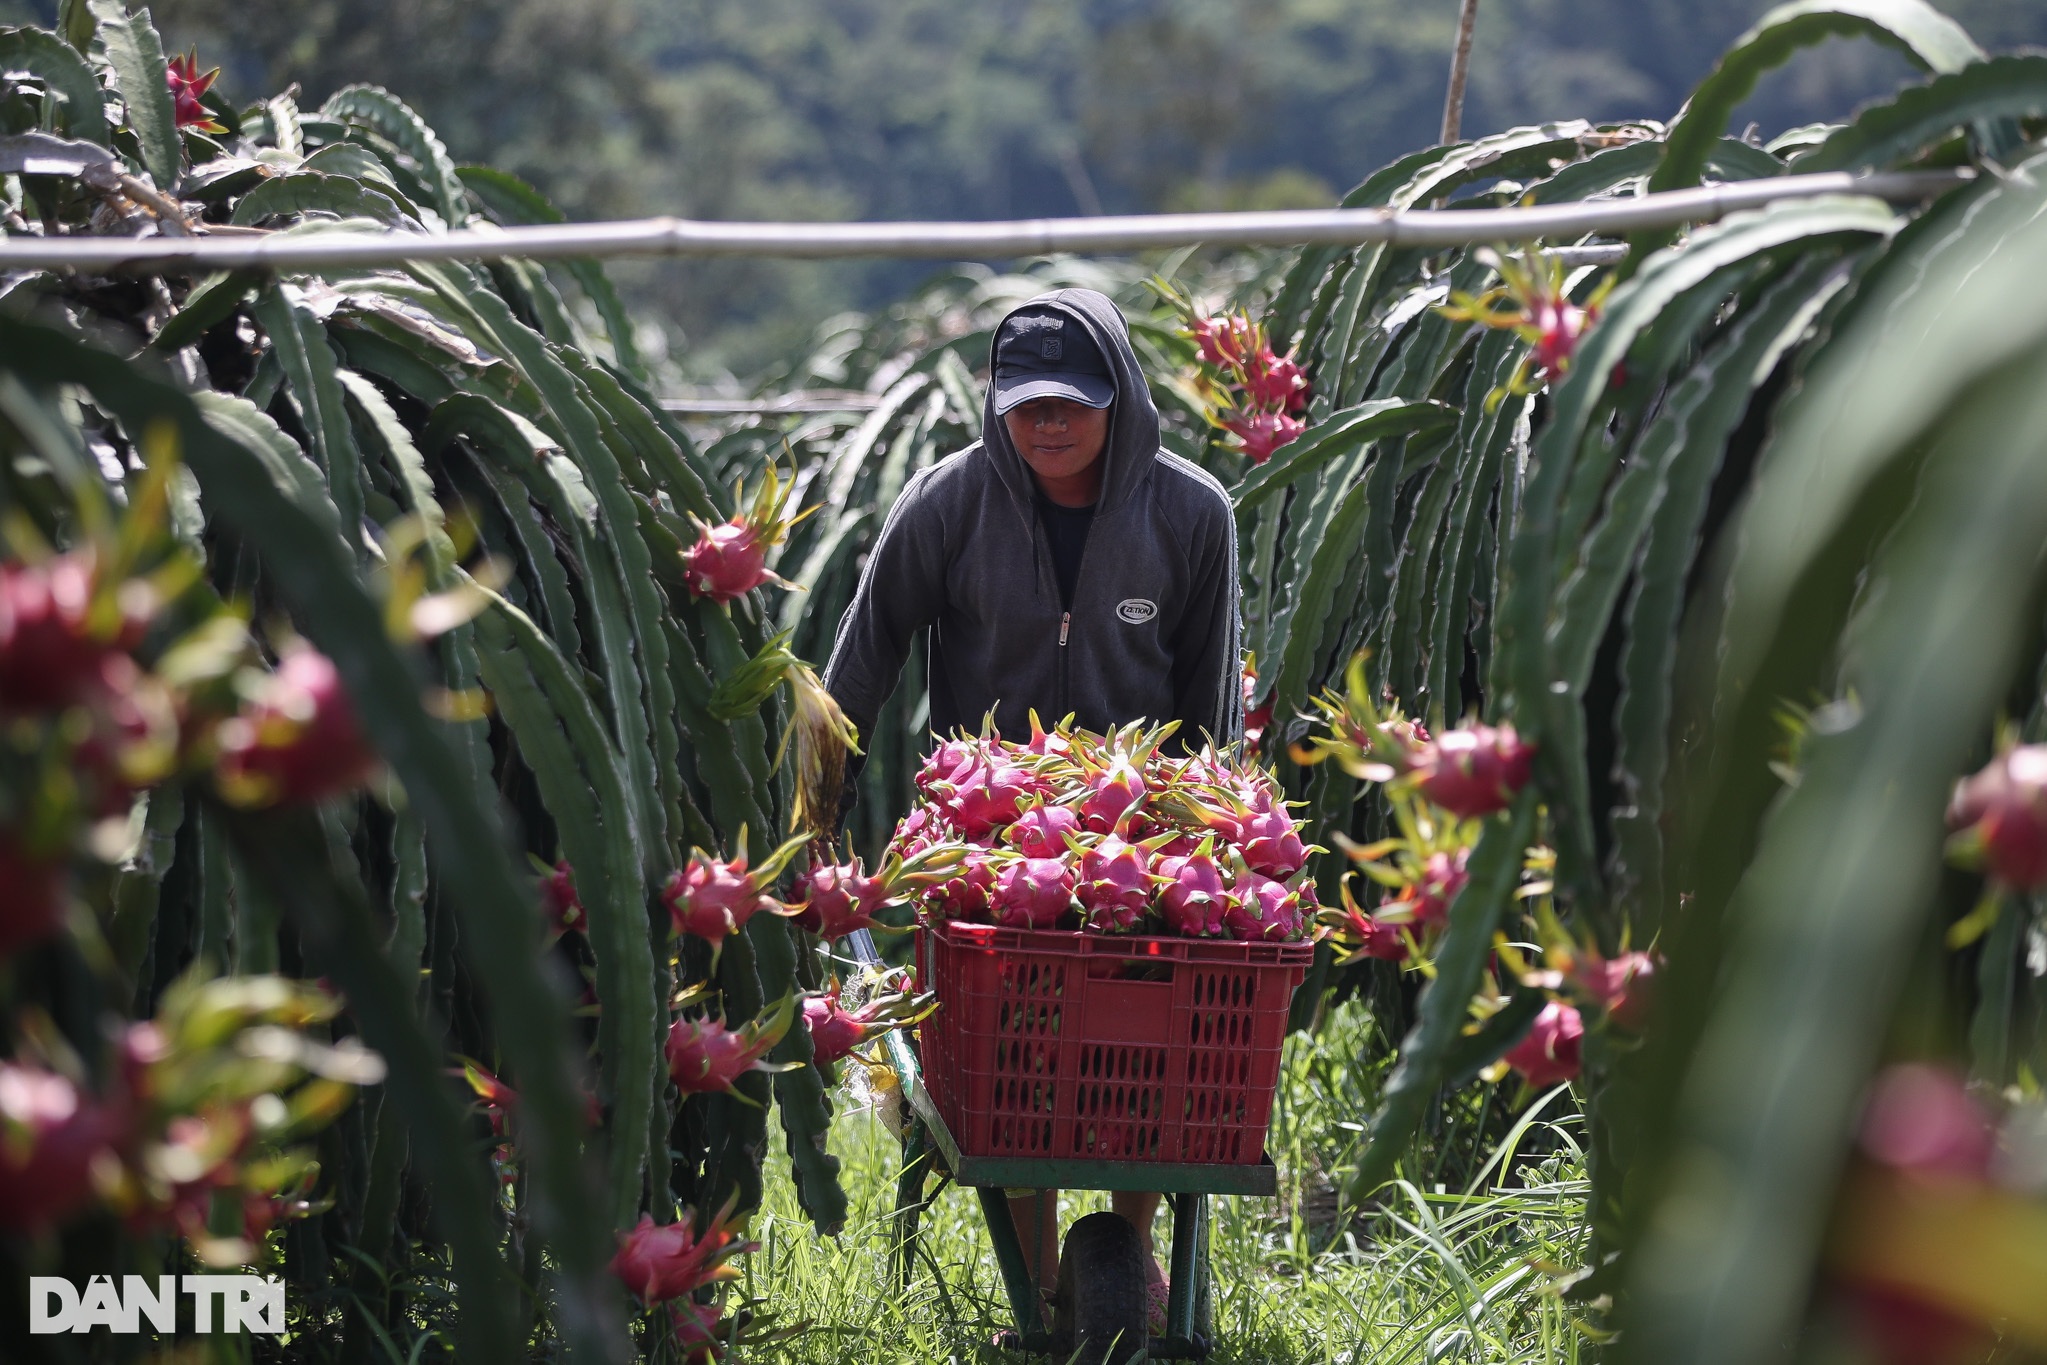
{"type": "Point", "coordinates": [1133, 419]}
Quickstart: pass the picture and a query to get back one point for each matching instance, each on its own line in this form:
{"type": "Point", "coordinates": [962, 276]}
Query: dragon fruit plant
{"type": "Point", "coordinates": [1107, 834]}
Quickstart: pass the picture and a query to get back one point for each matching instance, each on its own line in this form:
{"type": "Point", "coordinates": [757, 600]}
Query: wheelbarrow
{"type": "Point", "coordinates": [1090, 1297]}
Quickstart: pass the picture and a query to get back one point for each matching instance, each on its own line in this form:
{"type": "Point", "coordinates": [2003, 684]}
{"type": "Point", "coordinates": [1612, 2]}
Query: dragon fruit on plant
{"type": "Point", "coordinates": [835, 1030]}
{"type": "Point", "coordinates": [1550, 1052]}
{"type": "Point", "coordinates": [58, 626]}
{"type": "Point", "coordinates": [1473, 770]}
{"type": "Point", "coordinates": [1426, 901]}
{"type": "Point", "coordinates": [663, 1261]}
{"type": "Point", "coordinates": [297, 741]}
{"type": "Point", "coordinates": [51, 1133]}
{"type": "Point", "coordinates": [1260, 434]}
{"type": "Point", "coordinates": [705, 1057]}
{"type": "Point", "coordinates": [560, 904]}
{"type": "Point", "coordinates": [2002, 811]}
{"type": "Point", "coordinates": [838, 899]}
{"type": "Point", "coordinates": [713, 899]}
{"type": "Point", "coordinates": [730, 559]}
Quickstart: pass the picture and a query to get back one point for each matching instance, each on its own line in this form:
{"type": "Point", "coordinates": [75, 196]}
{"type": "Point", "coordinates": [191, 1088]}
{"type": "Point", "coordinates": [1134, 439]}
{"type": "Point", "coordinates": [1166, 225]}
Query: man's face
{"type": "Point", "coordinates": [1057, 437]}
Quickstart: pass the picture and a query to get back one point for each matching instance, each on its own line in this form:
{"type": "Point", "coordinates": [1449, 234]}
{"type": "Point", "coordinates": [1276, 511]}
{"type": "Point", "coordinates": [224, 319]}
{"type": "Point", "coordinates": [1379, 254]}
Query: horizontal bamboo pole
{"type": "Point", "coordinates": [316, 251]}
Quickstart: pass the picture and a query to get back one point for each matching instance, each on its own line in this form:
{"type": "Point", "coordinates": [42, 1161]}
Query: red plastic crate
{"type": "Point", "coordinates": [1073, 1046]}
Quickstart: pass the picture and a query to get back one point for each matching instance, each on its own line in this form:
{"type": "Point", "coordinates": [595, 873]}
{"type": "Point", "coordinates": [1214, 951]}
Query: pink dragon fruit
{"type": "Point", "coordinates": [1550, 1051]}
{"type": "Point", "coordinates": [1426, 901]}
{"type": "Point", "coordinates": [728, 561]}
{"type": "Point", "coordinates": [663, 1261]}
{"type": "Point", "coordinates": [1623, 985]}
{"type": "Point", "coordinates": [1259, 908]}
{"type": "Point", "coordinates": [1032, 893]}
{"type": "Point", "coordinates": [562, 907]}
{"type": "Point", "coordinates": [705, 1057]}
{"type": "Point", "coordinates": [965, 896]}
{"type": "Point", "coordinates": [54, 1134]}
{"type": "Point", "coordinates": [1224, 341]}
{"type": "Point", "coordinates": [835, 1030]}
{"type": "Point", "coordinates": [2005, 807]}
{"type": "Point", "coordinates": [1115, 885]}
{"type": "Point", "coordinates": [1473, 771]}
{"type": "Point", "coordinates": [948, 763]}
{"type": "Point", "coordinates": [1558, 324]}
{"type": "Point", "coordinates": [1923, 1118]}
{"type": "Point", "coordinates": [1272, 845]}
{"type": "Point", "coordinates": [917, 831]}
{"type": "Point", "coordinates": [712, 899]}
{"type": "Point", "coordinates": [1041, 831]}
{"type": "Point", "coordinates": [1045, 743]}
{"type": "Point", "coordinates": [988, 798]}
{"type": "Point", "coordinates": [51, 648]}
{"type": "Point", "coordinates": [839, 898]}
{"type": "Point", "coordinates": [1112, 793]}
{"type": "Point", "coordinates": [1261, 433]}
{"type": "Point", "coordinates": [1275, 382]}
{"type": "Point", "coordinates": [699, 1331]}
{"type": "Point", "coordinates": [298, 741]}
{"type": "Point", "coordinates": [1192, 895]}
{"type": "Point", "coordinates": [187, 84]}
{"type": "Point", "coordinates": [1379, 939]}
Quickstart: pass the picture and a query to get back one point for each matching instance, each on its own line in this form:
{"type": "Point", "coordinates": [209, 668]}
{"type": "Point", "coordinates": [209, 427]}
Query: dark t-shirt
{"type": "Point", "coordinates": [1066, 530]}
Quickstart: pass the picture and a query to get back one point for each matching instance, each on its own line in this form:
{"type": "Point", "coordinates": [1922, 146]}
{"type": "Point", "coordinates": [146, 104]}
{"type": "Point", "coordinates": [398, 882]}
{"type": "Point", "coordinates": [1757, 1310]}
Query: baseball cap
{"type": "Point", "coordinates": [1043, 353]}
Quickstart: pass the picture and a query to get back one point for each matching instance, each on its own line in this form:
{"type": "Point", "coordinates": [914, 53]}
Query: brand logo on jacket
{"type": "Point", "coordinates": [1136, 610]}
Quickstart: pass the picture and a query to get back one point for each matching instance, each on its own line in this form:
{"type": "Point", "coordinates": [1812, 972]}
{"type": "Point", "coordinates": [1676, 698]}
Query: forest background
{"type": "Point", "coordinates": [894, 109]}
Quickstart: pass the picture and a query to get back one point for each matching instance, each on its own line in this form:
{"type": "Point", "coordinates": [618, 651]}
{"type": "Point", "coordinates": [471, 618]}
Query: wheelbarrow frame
{"type": "Point", "coordinates": [928, 1140]}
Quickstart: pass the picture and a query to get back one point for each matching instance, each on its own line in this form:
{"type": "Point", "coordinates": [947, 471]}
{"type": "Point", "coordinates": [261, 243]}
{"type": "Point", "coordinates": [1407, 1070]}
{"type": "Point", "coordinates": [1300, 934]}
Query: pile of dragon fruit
{"type": "Point", "coordinates": [1107, 834]}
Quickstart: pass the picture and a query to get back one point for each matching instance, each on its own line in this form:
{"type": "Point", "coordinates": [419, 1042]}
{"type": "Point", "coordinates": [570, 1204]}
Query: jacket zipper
{"type": "Point", "coordinates": [1038, 534]}
{"type": "Point", "coordinates": [1065, 624]}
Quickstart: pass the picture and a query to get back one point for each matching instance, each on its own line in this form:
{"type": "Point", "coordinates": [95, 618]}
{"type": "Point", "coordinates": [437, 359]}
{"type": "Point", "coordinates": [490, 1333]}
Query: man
{"type": "Point", "coordinates": [1063, 563]}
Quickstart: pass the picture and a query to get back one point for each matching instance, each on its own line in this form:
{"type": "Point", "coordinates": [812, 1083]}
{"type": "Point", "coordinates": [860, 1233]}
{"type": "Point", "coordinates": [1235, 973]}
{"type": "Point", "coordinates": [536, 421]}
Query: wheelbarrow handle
{"type": "Point", "coordinates": [908, 1072]}
{"type": "Point", "coordinates": [862, 944]}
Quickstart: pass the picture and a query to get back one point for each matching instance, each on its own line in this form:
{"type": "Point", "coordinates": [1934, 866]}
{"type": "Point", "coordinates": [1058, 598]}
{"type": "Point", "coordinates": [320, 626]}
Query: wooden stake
{"type": "Point", "coordinates": [1460, 67]}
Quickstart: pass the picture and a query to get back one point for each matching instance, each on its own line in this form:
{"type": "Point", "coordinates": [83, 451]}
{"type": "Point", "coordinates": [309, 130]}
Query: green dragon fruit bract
{"type": "Point", "coordinates": [1106, 833]}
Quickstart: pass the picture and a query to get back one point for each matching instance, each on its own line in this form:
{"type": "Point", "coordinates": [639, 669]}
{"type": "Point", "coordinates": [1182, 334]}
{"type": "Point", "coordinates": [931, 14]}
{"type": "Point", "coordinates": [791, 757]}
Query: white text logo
{"type": "Point", "coordinates": [1136, 610]}
{"type": "Point", "coordinates": [248, 1303]}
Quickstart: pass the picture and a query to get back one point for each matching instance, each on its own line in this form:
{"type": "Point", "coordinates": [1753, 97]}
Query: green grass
{"type": "Point", "coordinates": [1438, 1271]}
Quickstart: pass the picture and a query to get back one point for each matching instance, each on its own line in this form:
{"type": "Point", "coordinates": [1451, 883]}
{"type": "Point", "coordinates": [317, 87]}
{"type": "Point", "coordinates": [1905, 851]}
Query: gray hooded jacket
{"type": "Point", "coordinates": [1153, 631]}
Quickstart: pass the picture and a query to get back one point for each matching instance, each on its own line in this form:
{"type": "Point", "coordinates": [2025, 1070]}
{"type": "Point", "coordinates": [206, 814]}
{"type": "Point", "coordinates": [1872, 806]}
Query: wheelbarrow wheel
{"type": "Point", "coordinates": [1102, 1310]}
